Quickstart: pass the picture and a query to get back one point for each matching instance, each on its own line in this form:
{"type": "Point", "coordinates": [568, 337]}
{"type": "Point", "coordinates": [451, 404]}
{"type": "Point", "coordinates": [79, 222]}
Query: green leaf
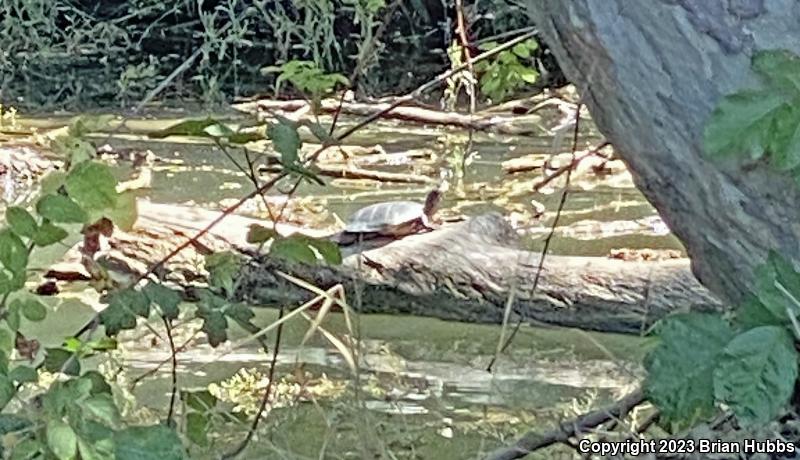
{"type": "Point", "coordinates": [117, 317]}
{"type": "Point", "coordinates": [13, 262]}
{"type": "Point", "coordinates": [100, 450]}
{"type": "Point", "coordinates": [781, 69]}
{"type": "Point", "coordinates": [756, 374]}
{"type": "Point", "coordinates": [6, 341]}
{"type": "Point", "coordinates": [197, 425]}
{"type": "Point", "coordinates": [521, 50]}
{"type": "Point", "coordinates": [148, 443]}
{"type": "Point", "coordinates": [257, 234]}
{"type": "Point", "coordinates": [49, 233]}
{"type": "Point", "coordinates": [752, 313]}
{"type": "Point", "coordinates": [166, 299]}
{"type": "Point", "coordinates": [93, 186]}
{"type": "Point", "coordinates": [322, 133]}
{"type": "Point", "coordinates": [103, 344]}
{"type": "Point", "coordinates": [27, 449]}
{"type": "Point", "coordinates": [132, 300]}
{"type": "Point", "coordinates": [329, 250]}
{"type": "Point", "coordinates": [215, 326]}
{"type": "Point", "coordinates": [239, 312]}
{"type": "Point", "coordinates": [60, 360]}
{"type": "Point", "coordinates": [741, 123]}
{"type": "Point", "coordinates": [125, 213]}
{"type": "Point", "coordinates": [59, 208]}
{"type": "Point", "coordinates": [784, 138]}
{"type": "Point", "coordinates": [21, 221]}
{"type": "Point", "coordinates": [23, 374]}
{"type": "Point", "coordinates": [680, 369]}
{"type": "Point", "coordinates": [293, 249]}
{"type": "Point", "coordinates": [99, 384]}
{"type": "Point", "coordinates": [185, 128]}
{"type": "Point", "coordinates": [528, 75]}
{"type": "Point", "coordinates": [199, 400]}
{"type": "Point", "coordinates": [61, 440]}
{"type": "Point", "coordinates": [7, 391]}
{"type": "Point", "coordinates": [286, 141]}
{"type": "Point", "coordinates": [13, 317]}
{"type": "Point", "coordinates": [776, 270]}
{"type": "Point", "coordinates": [32, 309]}
{"type": "Point", "coordinates": [53, 181]}
{"type": "Point", "coordinates": [101, 407]}
{"type": "Point", "coordinates": [74, 149]}
{"type": "Point", "coordinates": [222, 268]}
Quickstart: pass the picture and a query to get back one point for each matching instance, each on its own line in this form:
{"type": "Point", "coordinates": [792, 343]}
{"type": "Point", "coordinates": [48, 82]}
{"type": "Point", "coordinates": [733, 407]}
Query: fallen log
{"type": "Point", "coordinates": [464, 271]}
{"type": "Point", "coordinates": [520, 124]}
{"type": "Point", "coordinates": [354, 172]}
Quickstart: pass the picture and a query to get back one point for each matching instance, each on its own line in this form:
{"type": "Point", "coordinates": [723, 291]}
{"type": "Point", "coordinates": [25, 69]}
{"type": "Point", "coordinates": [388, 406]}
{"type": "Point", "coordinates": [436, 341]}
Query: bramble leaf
{"type": "Point", "coordinates": [61, 209]}
{"type": "Point", "coordinates": [680, 369]}
{"type": "Point", "coordinates": [92, 186]}
{"type": "Point", "coordinates": [756, 374]}
{"type": "Point", "coordinates": [21, 221]}
{"type": "Point", "coordinates": [156, 442]}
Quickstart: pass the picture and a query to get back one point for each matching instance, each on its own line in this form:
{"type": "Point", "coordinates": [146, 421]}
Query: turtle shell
{"type": "Point", "coordinates": [382, 217]}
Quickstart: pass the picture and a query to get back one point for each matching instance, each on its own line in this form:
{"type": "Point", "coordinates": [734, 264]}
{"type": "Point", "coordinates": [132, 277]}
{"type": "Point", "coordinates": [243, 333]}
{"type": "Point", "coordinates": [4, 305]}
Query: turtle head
{"type": "Point", "coordinates": [433, 199]}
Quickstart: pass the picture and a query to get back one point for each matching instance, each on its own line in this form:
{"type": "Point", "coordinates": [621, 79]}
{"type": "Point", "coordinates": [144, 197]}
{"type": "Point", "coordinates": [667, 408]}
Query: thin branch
{"type": "Point", "coordinates": [174, 371]}
{"type": "Point", "coordinates": [533, 441]}
{"type": "Point", "coordinates": [547, 241]}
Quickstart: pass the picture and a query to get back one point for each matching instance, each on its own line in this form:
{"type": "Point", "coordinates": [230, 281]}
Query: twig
{"type": "Point", "coordinates": [563, 169]}
{"type": "Point", "coordinates": [174, 371]}
{"type": "Point", "coordinates": [533, 441]}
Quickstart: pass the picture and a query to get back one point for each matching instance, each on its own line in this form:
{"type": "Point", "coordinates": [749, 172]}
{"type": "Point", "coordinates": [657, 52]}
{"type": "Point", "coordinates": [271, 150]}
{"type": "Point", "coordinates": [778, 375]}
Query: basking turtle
{"type": "Point", "coordinates": [392, 219]}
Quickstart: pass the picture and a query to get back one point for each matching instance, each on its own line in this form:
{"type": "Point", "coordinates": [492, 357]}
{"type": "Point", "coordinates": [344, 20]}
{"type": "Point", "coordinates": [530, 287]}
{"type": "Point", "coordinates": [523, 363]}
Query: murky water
{"type": "Point", "coordinates": [421, 381]}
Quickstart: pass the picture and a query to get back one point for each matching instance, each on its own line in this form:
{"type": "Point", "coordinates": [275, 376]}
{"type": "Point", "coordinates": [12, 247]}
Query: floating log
{"type": "Point", "coordinates": [520, 124]}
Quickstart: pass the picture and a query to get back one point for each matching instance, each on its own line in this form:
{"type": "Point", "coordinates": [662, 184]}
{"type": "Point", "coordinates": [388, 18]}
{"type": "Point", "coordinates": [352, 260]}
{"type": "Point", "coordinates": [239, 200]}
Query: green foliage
{"type": "Point", "coordinates": [60, 208]}
{"type": "Point", "coordinates": [164, 298]}
{"type": "Point", "coordinates": [508, 71]}
{"type": "Point", "coordinates": [200, 406]}
{"type": "Point", "coordinates": [763, 122]}
{"type": "Point", "coordinates": [307, 77]}
{"type": "Point", "coordinates": [222, 268]}
{"type": "Point", "coordinates": [756, 374]}
{"type": "Point", "coordinates": [286, 141]}
{"type": "Point", "coordinates": [21, 221]}
{"type": "Point", "coordinates": [751, 365]}
{"type": "Point", "coordinates": [680, 370]}
{"type": "Point", "coordinates": [148, 443]}
{"type": "Point", "coordinates": [296, 247]}
{"type": "Point", "coordinates": [13, 262]}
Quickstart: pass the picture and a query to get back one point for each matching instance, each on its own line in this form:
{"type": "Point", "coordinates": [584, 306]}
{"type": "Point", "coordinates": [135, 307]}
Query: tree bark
{"type": "Point", "coordinates": [651, 73]}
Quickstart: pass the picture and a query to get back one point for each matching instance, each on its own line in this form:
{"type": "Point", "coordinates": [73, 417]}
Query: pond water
{"type": "Point", "coordinates": [421, 389]}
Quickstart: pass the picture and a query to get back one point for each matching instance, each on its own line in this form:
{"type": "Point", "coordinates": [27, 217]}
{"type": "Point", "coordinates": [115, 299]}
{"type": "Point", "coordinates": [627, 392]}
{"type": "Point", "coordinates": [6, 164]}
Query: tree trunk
{"type": "Point", "coordinates": [651, 72]}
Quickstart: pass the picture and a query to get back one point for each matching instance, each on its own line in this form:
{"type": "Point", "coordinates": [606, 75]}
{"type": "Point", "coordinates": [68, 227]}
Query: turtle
{"type": "Point", "coordinates": [391, 219]}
